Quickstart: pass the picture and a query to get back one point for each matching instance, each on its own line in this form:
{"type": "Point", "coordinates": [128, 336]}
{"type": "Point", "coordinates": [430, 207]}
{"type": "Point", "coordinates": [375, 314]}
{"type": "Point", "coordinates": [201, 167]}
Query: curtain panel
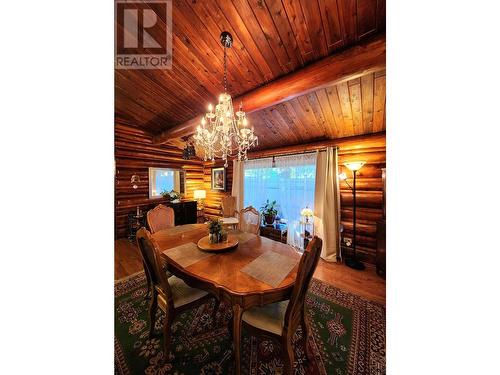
{"type": "Point", "coordinates": [327, 203]}
{"type": "Point", "coordinates": [238, 188]}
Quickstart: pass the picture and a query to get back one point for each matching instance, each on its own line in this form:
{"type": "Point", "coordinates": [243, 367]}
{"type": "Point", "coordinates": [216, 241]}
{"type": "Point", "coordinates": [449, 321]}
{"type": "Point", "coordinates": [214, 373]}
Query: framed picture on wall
{"type": "Point", "coordinates": [219, 179]}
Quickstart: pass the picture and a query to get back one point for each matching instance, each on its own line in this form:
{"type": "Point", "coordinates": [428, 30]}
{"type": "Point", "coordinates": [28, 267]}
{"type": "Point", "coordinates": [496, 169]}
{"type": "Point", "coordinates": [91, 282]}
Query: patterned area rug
{"type": "Point", "coordinates": [347, 338]}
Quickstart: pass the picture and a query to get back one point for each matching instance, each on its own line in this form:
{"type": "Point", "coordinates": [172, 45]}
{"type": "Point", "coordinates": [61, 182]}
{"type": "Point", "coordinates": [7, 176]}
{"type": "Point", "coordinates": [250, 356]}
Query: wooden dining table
{"type": "Point", "coordinates": [221, 275]}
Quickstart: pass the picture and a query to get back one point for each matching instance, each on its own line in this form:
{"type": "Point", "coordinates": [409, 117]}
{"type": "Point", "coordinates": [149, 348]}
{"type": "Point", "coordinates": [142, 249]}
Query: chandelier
{"type": "Point", "coordinates": [222, 132]}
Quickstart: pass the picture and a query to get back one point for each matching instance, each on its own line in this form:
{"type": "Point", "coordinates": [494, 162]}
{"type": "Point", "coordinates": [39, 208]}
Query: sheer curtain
{"type": "Point", "coordinates": [291, 183]}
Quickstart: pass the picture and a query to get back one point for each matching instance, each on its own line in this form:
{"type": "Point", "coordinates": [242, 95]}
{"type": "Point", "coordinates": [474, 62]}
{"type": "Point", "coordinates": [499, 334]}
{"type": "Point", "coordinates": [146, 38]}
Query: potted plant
{"type": "Point", "coordinates": [166, 195]}
{"type": "Point", "coordinates": [172, 196]}
{"type": "Point", "coordinates": [175, 196]}
{"type": "Point", "coordinates": [269, 212]}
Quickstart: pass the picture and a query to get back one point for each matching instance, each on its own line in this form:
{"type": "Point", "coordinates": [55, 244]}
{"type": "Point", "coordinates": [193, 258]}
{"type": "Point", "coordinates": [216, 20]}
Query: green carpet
{"type": "Point", "coordinates": [348, 337]}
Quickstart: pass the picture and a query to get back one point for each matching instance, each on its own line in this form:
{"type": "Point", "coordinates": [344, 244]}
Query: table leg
{"type": "Point", "coordinates": [237, 313]}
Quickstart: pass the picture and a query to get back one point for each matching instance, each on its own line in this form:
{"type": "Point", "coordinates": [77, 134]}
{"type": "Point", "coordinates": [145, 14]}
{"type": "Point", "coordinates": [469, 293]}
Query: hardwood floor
{"type": "Point", "coordinates": [363, 283]}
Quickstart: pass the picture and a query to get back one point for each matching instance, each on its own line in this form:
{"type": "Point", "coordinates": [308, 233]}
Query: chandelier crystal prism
{"type": "Point", "coordinates": [223, 132]}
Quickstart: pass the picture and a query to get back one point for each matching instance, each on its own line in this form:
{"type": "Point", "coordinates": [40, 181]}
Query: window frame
{"type": "Point", "coordinates": [152, 170]}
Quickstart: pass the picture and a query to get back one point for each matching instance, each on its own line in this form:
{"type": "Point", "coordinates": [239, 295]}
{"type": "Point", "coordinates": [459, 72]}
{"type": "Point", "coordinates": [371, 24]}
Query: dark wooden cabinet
{"type": "Point", "coordinates": [380, 257]}
{"type": "Point", "coordinates": [185, 212]}
{"type": "Point", "coordinates": [276, 232]}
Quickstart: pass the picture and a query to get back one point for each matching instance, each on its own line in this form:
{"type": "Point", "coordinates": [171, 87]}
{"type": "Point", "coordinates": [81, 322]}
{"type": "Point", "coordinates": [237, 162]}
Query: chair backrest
{"type": "Point", "coordinates": [160, 217]}
{"type": "Point", "coordinates": [228, 206]}
{"type": "Point", "coordinates": [152, 261]}
{"type": "Point", "coordinates": [307, 266]}
{"type": "Point", "coordinates": [249, 220]}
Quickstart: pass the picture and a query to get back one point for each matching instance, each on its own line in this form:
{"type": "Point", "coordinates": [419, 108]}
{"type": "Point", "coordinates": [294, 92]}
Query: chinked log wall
{"type": "Point", "coordinates": [369, 186]}
{"type": "Point", "coordinates": [134, 154]}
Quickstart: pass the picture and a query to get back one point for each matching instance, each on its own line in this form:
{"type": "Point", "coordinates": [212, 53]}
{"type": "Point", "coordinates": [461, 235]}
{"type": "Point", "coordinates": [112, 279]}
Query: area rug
{"type": "Point", "coordinates": [347, 337]}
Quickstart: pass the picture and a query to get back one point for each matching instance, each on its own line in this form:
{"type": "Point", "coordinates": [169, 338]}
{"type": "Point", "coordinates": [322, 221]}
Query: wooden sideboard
{"type": "Point", "coordinates": [185, 212]}
{"type": "Point", "coordinates": [380, 255]}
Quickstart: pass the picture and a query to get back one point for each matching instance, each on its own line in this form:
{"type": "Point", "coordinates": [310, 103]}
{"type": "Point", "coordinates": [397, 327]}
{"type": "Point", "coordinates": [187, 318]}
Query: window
{"type": "Point", "coordinates": [165, 179]}
{"type": "Point", "coordinates": [290, 182]}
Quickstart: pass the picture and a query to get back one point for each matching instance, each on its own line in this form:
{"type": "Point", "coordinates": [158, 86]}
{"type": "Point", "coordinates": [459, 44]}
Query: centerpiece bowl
{"type": "Point", "coordinates": [205, 244]}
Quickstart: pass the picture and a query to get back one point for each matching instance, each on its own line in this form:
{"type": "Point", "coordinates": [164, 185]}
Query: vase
{"type": "Point", "coordinates": [269, 219]}
{"type": "Point", "coordinates": [214, 237]}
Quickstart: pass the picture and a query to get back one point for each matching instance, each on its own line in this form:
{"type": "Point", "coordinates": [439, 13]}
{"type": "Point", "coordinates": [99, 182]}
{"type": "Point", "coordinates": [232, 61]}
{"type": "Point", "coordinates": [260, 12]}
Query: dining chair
{"type": "Point", "coordinates": [280, 320]}
{"type": "Point", "coordinates": [171, 294]}
{"type": "Point", "coordinates": [160, 217]}
{"type": "Point", "coordinates": [228, 211]}
{"type": "Point", "coordinates": [250, 220]}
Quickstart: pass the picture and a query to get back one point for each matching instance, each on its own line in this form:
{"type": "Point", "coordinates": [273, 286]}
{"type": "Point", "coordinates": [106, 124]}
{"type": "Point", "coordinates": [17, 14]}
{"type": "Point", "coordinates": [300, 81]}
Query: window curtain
{"type": "Point", "coordinates": [177, 181]}
{"type": "Point", "coordinates": [327, 203]}
{"type": "Point", "coordinates": [291, 183]}
{"type": "Point", "coordinates": [238, 184]}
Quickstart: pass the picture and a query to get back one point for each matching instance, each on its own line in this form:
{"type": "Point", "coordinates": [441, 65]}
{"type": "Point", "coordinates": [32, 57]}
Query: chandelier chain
{"type": "Point", "coordinates": [225, 68]}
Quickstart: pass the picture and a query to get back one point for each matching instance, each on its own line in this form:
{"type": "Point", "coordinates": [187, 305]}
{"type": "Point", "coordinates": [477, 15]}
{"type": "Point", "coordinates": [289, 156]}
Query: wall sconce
{"type": "Point", "coordinates": [134, 180]}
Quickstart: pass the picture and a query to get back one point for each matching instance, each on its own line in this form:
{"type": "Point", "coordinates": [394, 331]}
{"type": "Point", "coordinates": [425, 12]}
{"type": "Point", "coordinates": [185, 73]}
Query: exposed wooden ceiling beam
{"type": "Point", "coordinates": [365, 58]}
{"type": "Point", "coordinates": [362, 142]}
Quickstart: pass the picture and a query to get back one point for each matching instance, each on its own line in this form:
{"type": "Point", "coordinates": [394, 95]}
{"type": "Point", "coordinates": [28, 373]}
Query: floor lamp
{"type": "Point", "coordinates": [354, 167]}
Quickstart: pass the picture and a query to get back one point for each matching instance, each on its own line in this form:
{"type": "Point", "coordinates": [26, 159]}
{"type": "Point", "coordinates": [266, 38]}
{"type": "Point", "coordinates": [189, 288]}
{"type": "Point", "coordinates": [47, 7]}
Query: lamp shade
{"type": "Point", "coordinates": [200, 194]}
{"type": "Point", "coordinates": [307, 212]}
{"type": "Point", "coordinates": [355, 165]}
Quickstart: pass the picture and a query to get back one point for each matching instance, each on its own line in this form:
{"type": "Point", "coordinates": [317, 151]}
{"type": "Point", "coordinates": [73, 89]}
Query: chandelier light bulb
{"type": "Point", "coordinates": [203, 121]}
{"type": "Point", "coordinates": [210, 107]}
{"type": "Point", "coordinates": [245, 121]}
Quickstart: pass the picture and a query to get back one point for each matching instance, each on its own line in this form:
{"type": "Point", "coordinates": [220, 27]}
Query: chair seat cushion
{"type": "Point", "coordinates": [182, 293]}
{"type": "Point", "coordinates": [269, 317]}
{"type": "Point", "coordinates": [229, 220]}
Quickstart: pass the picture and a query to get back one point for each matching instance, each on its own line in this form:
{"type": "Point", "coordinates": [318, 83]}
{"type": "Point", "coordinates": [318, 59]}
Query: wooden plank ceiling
{"type": "Point", "coordinates": [271, 38]}
{"type": "Point", "coordinates": [352, 108]}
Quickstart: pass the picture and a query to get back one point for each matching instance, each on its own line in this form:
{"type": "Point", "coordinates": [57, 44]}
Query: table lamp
{"type": "Point", "coordinates": [307, 213]}
{"type": "Point", "coordinates": [199, 195]}
{"type": "Point", "coordinates": [354, 166]}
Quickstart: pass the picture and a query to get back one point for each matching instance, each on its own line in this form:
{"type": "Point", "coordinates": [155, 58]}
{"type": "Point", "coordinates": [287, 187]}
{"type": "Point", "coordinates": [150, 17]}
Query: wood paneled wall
{"type": "Point", "coordinates": [369, 186]}
{"type": "Point", "coordinates": [134, 154]}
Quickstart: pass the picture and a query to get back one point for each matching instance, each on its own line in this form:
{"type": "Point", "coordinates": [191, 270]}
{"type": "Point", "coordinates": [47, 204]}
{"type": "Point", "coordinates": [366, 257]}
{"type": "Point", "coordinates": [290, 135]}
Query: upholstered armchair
{"type": "Point", "coordinates": [171, 294]}
{"type": "Point", "coordinates": [280, 320]}
{"type": "Point", "coordinates": [250, 220]}
{"type": "Point", "coordinates": [160, 217]}
{"type": "Point", "coordinates": [229, 212]}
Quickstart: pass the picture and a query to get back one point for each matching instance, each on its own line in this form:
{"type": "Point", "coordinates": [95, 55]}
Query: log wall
{"type": "Point", "coordinates": [134, 154]}
{"type": "Point", "coordinates": [369, 193]}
